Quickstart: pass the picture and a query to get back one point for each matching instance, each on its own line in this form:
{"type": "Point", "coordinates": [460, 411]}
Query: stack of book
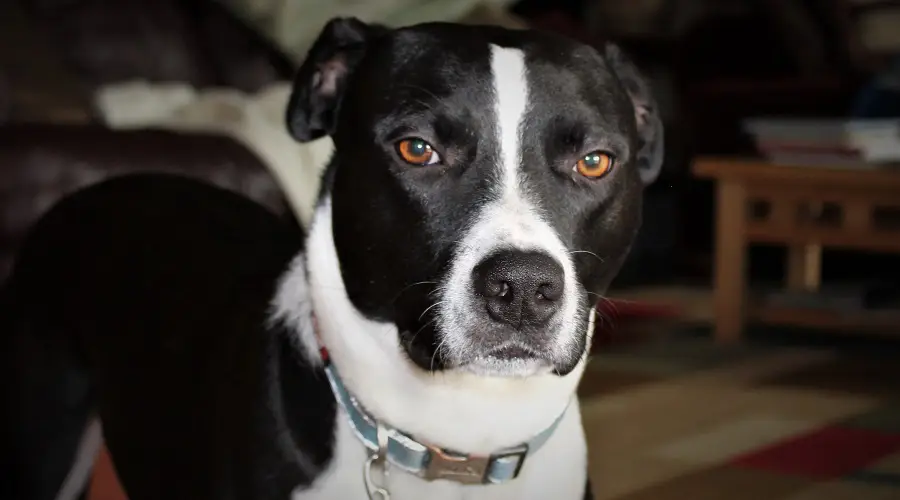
{"type": "Point", "coordinates": [852, 143]}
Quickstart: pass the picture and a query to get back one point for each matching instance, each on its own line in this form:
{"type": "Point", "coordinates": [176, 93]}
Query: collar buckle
{"type": "Point", "coordinates": [474, 469]}
{"type": "Point", "coordinates": [465, 469]}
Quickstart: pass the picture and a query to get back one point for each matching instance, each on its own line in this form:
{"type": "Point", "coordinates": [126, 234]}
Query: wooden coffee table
{"type": "Point", "coordinates": [804, 208]}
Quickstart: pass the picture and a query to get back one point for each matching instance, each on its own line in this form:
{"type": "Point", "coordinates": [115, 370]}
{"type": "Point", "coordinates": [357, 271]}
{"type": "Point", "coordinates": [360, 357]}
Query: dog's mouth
{"type": "Point", "coordinates": [512, 351]}
{"type": "Point", "coordinates": [510, 359]}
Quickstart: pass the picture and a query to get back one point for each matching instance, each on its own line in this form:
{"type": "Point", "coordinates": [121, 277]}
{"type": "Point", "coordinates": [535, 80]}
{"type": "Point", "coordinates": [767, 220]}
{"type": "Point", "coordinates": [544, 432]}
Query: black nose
{"type": "Point", "coordinates": [521, 289]}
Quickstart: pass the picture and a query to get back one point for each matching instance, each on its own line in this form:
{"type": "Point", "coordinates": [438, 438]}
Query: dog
{"type": "Point", "coordinates": [423, 340]}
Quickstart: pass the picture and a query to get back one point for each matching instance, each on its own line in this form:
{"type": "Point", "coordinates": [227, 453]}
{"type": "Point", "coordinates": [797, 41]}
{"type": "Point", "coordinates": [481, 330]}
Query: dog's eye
{"type": "Point", "coordinates": [595, 164]}
{"type": "Point", "coordinates": [416, 151]}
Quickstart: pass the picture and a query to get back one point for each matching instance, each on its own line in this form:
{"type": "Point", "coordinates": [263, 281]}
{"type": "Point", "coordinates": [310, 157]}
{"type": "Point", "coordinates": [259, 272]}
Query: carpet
{"type": "Point", "coordinates": [681, 418]}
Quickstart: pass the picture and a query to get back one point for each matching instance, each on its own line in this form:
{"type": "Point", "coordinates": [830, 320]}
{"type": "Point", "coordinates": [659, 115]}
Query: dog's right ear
{"type": "Point", "coordinates": [321, 79]}
{"type": "Point", "coordinates": [650, 154]}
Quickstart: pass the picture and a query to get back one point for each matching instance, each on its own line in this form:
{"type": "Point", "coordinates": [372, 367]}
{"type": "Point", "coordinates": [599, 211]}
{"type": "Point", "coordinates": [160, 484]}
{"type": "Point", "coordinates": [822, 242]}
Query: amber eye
{"type": "Point", "coordinates": [595, 164]}
{"type": "Point", "coordinates": [416, 151]}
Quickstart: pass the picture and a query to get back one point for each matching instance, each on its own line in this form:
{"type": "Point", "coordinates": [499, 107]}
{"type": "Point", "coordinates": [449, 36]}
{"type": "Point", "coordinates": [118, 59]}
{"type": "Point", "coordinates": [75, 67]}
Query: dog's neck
{"type": "Point", "coordinates": [453, 410]}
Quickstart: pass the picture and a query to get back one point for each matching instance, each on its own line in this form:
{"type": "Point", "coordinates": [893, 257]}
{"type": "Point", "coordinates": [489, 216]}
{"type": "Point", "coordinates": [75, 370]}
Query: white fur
{"type": "Point", "coordinates": [558, 472]}
{"type": "Point", "coordinates": [293, 307]}
{"type": "Point", "coordinates": [454, 410]}
{"type": "Point", "coordinates": [510, 221]}
{"type": "Point", "coordinates": [85, 457]}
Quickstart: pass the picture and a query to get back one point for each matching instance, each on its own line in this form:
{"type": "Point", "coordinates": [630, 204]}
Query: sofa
{"type": "Point", "coordinates": [56, 54]}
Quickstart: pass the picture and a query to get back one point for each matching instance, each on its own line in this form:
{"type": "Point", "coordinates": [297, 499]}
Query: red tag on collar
{"type": "Point", "coordinates": [323, 352]}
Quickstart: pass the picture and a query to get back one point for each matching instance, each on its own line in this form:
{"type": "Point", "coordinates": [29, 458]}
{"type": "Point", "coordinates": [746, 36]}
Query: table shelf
{"type": "Point", "coordinates": [880, 323]}
{"type": "Point", "coordinates": [831, 238]}
{"type": "Point", "coordinates": [805, 208]}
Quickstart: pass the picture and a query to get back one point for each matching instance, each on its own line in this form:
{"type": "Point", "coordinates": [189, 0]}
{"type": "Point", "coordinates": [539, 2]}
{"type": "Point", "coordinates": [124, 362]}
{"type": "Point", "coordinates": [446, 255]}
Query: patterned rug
{"type": "Point", "coordinates": [683, 419]}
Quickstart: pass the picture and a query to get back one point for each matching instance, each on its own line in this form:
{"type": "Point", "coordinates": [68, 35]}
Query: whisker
{"type": "Point", "coordinates": [424, 326]}
{"type": "Point", "coordinates": [437, 350]}
{"type": "Point", "coordinates": [430, 308]}
{"type": "Point", "coordinates": [588, 252]}
{"type": "Point", "coordinates": [610, 321]}
{"type": "Point", "coordinates": [396, 297]}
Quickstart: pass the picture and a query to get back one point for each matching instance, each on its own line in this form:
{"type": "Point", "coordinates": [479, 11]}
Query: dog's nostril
{"type": "Point", "coordinates": [548, 291]}
{"type": "Point", "coordinates": [495, 288]}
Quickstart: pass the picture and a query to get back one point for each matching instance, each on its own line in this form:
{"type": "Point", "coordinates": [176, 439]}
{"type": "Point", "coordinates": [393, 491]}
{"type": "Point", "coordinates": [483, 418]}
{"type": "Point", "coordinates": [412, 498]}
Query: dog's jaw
{"type": "Point", "coordinates": [453, 409]}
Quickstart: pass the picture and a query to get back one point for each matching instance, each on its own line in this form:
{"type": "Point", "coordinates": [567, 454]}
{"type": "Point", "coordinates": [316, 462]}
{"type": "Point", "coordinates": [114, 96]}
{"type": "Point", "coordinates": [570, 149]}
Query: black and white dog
{"type": "Point", "coordinates": [485, 189]}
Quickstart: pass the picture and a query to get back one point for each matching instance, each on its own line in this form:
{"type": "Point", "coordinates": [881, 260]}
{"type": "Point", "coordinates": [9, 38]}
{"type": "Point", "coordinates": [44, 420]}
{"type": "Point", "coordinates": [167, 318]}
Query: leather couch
{"type": "Point", "coordinates": [43, 162]}
{"type": "Point", "coordinates": [58, 51]}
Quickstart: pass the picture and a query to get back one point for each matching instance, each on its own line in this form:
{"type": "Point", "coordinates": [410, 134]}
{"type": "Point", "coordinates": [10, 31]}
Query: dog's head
{"type": "Point", "coordinates": [486, 184]}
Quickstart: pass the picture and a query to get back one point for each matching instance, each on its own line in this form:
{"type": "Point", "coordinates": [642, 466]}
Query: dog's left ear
{"type": "Point", "coordinates": [650, 151]}
{"type": "Point", "coordinates": [322, 78]}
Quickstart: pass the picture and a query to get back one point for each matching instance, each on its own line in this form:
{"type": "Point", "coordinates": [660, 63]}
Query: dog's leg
{"type": "Point", "coordinates": [44, 393]}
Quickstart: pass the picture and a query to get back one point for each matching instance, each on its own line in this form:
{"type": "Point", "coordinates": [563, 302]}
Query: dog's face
{"type": "Point", "coordinates": [486, 184]}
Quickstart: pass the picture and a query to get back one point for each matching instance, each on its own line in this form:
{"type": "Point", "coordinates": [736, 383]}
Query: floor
{"type": "Point", "coordinates": [783, 417]}
{"type": "Point", "coordinates": [679, 418]}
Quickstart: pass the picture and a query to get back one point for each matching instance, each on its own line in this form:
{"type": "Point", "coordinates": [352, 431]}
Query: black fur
{"type": "Point", "coordinates": [121, 295]}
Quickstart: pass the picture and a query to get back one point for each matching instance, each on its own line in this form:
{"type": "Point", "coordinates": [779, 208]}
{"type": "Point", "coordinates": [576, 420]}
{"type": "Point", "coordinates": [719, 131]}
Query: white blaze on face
{"type": "Point", "coordinates": [510, 105]}
{"type": "Point", "coordinates": [510, 221]}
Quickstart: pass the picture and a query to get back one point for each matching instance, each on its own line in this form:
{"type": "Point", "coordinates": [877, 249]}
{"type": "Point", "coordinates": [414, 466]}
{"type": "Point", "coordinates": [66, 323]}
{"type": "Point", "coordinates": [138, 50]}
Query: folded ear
{"type": "Point", "coordinates": [650, 151]}
{"type": "Point", "coordinates": [322, 78]}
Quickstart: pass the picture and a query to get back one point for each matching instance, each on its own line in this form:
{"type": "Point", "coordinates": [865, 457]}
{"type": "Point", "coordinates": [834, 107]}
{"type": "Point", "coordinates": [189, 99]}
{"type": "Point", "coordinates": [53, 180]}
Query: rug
{"type": "Point", "coordinates": [680, 418]}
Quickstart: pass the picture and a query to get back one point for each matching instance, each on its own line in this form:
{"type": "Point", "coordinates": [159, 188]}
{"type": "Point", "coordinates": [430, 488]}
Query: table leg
{"type": "Point", "coordinates": [804, 267]}
{"type": "Point", "coordinates": [730, 261]}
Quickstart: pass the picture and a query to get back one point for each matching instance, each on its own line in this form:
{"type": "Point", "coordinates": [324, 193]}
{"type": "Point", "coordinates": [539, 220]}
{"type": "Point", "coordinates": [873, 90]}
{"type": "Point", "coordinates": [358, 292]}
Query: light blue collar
{"type": "Point", "coordinates": [429, 462]}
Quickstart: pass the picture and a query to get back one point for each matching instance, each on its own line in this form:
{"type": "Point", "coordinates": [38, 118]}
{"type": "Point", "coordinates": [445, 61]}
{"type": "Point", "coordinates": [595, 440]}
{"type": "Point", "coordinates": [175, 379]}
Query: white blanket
{"type": "Point", "coordinates": [256, 120]}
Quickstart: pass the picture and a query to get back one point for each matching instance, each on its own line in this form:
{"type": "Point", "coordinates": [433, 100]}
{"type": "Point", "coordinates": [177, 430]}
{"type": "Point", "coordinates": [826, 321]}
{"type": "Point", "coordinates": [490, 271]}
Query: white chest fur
{"type": "Point", "coordinates": [558, 471]}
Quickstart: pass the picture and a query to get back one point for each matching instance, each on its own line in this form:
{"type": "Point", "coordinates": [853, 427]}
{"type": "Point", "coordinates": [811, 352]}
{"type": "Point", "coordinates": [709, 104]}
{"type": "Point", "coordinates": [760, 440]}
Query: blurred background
{"type": "Point", "coordinates": [749, 348]}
